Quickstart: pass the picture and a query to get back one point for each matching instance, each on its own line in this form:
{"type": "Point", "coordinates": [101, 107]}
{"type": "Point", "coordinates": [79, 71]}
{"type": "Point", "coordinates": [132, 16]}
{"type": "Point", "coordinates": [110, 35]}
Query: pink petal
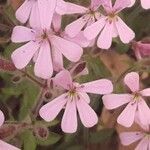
{"type": "Point", "coordinates": [95, 4]}
{"type": "Point", "coordinates": [102, 86]}
{"type": "Point", "coordinates": [46, 10]}
{"type": "Point", "coordinates": [143, 112]}
{"type": "Point", "coordinates": [49, 111]}
{"type": "Point", "coordinates": [70, 50]}
{"type": "Point", "coordinates": [128, 138]}
{"type": "Point", "coordinates": [22, 34]}
{"type": "Point", "coordinates": [84, 96]}
{"type": "Point", "coordinates": [126, 118]}
{"type": "Point", "coordinates": [132, 81]}
{"type": "Point", "coordinates": [132, 3]}
{"type": "Point", "coordinates": [2, 118]}
{"type": "Point", "coordinates": [75, 27]}
{"type": "Point", "coordinates": [69, 8]}
{"type": "Point", "coordinates": [22, 56]}
{"type": "Point", "coordinates": [145, 92]}
{"type": "Point", "coordinates": [145, 4]}
{"type": "Point", "coordinates": [69, 120]}
{"type": "Point", "coordinates": [143, 145]}
{"type": "Point", "coordinates": [107, 4]}
{"type": "Point", "coordinates": [105, 39]}
{"type": "Point", "coordinates": [23, 12]}
{"type": "Point", "coordinates": [57, 22]}
{"type": "Point", "coordinates": [95, 29]}
{"type": "Point", "coordinates": [122, 29]}
{"type": "Point", "coordinates": [43, 66]}
{"type": "Point", "coordinates": [112, 101]}
{"type": "Point", "coordinates": [79, 39]}
{"type": "Point", "coordinates": [64, 79]}
{"type": "Point", "coordinates": [121, 4]}
{"type": "Point", "coordinates": [57, 60]}
{"type": "Point", "coordinates": [34, 17]}
{"type": "Point", "coordinates": [6, 146]}
{"type": "Point", "coordinates": [87, 115]}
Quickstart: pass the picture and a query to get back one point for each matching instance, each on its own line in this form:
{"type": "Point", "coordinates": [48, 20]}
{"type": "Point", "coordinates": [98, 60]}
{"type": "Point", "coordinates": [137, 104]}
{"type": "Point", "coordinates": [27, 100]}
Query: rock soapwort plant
{"type": "Point", "coordinates": [73, 73]}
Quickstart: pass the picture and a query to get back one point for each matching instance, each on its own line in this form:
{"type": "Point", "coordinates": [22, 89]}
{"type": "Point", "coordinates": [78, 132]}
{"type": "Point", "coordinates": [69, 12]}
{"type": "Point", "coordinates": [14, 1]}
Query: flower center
{"type": "Point", "coordinates": [136, 96]}
{"type": "Point", "coordinates": [44, 35]}
{"type": "Point", "coordinates": [112, 17]}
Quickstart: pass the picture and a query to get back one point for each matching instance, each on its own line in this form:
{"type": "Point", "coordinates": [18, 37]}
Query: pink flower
{"type": "Point", "coordinates": [75, 99]}
{"type": "Point", "coordinates": [145, 3]}
{"type": "Point", "coordinates": [44, 46]}
{"type": "Point", "coordinates": [142, 136]}
{"type": "Point", "coordinates": [30, 9]}
{"type": "Point", "coordinates": [141, 49]}
{"type": "Point", "coordinates": [136, 105]}
{"type": "Point", "coordinates": [4, 145]}
{"type": "Point", "coordinates": [89, 16]}
{"type": "Point", "coordinates": [110, 26]}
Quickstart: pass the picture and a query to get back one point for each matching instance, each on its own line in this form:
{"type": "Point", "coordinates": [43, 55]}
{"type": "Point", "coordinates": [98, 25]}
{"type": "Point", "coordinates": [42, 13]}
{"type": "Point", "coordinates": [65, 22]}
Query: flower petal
{"type": "Point", "coordinates": [126, 118]}
{"type": "Point", "coordinates": [128, 138]}
{"type": "Point", "coordinates": [102, 86]}
{"type": "Point", "coordinates": [76, 26]}
{"type": "Point", "coordinates": [121, 4]}
{"type": "Point", "coordinates": [44, 7]}
{"type": "Point", "coordinates": [23, 12]}
{"type": "Point", "coordinates": [57, 19]}
{"type": "Point", "coordinates": [143, 112]}
{"type": "Point", "coordinates": [112, 101]}
{"type": "Point", "coordinates": [22, 34]}
{"type": "Point", "coordinates": [79, 39]}
{"type": "Point", "coordinates": [122, 29]}
{"type": "Point", "coordinates": [6, 146]}
{"type": "Point", "coordinates": [145, 4]}
{"type": "Point", "coordinates": [95, 4]}
{"type": "Point", "coordinates": [57, 60]}
{"type": "Point", "coordinates": [43, 66]}
{"type": "Point", "coordinates": [64, 79]}
{"type": "Point", "coordinates": [145, 92]}
{"type": "Point", "coordinates": [22, 56]}
{"type": "Point", "coordinates": [70, 50]}
{"type": "Point", "coordinates": [95, 29]}
{"type": "Point", "coordinates": [34, 17]}
{"type": "Point", "coordinates": [105, 38]}
{"type": "Point", "coordinates": [143, 145]}
{"type": "Point", "coordinates": [87, 115]}
{"type": "Point", "coordinates": [84, 96]}
{"type": "Point", "coordinates": [49, 111]}
{"type": "Point", "coordinates": [69, 8]}
{"type": "Point", "coordinates": [70, 116]}
{"type": "Point", "coordinates": [132, 81]}
{"type": "Point", "coordinates": [2, 118]}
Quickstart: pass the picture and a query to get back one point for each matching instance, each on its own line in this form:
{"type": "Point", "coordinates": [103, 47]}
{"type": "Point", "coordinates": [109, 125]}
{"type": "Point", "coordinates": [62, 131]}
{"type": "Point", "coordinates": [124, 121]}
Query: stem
{"type": "Point", "coordinates": [38, 104]}
{"type": "Point", "coordinates": [32, 79]}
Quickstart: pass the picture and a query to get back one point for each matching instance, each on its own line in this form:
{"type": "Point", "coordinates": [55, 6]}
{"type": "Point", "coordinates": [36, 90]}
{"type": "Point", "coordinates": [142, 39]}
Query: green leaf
{"type": "Point", "coordinates": [29, 141]}
{"type": "Point", "coordinates": [30, 94]}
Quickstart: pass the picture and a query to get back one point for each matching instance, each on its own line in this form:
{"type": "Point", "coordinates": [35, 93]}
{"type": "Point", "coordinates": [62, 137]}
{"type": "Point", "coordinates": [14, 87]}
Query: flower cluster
{"type": "Point", "coordinates": [45, 45]}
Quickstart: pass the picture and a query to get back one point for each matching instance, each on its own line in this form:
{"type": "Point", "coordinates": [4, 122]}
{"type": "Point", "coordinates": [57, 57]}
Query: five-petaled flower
{"type": "Point", "coordinates": [89, 16]}
{"type": "Point", "coordinates": [75, 99]}
{"type": "Point", "coordinates": [110, 26]}
{"type": "Point", "coordinates": [136, 104]}
{"type": "Point", "coordinates": [42, 45]}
